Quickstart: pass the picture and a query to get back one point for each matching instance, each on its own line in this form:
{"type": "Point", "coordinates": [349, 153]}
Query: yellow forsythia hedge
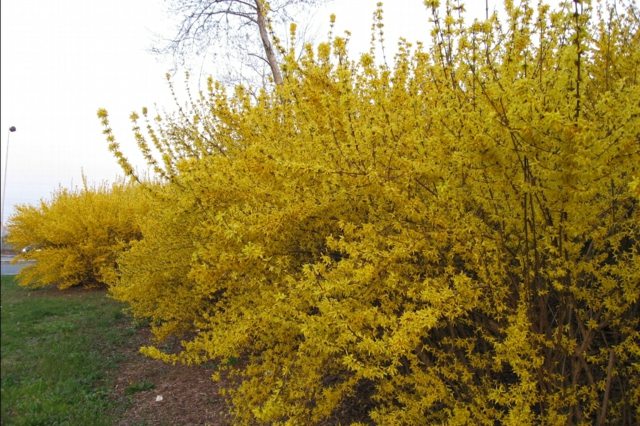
{"type": "Point", "coordinates": [75, 237]}
{"type": "Point", "coordinates": [452, 240]}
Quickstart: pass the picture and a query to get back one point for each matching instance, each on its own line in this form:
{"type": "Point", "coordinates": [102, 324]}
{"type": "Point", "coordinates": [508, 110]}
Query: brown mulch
{"type": "Point", "coordinates": [190, 397]}
{"type": "Point", "coordinates": [181, 395]}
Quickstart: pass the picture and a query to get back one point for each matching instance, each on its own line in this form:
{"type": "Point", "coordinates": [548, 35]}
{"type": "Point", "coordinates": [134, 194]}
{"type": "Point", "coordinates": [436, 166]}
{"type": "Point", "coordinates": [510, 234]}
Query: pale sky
{"type": "Point", "coordinates": [61, 60]}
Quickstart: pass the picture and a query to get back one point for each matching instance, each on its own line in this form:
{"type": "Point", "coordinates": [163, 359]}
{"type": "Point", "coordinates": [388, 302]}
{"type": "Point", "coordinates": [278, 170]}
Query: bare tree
{"type": "Point", "coordinates": [242, 29]}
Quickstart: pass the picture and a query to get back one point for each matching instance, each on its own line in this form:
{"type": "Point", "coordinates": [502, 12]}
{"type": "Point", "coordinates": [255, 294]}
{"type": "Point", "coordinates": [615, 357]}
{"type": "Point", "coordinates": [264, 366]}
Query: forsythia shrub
{"type": "Point", "coordinates": [453, 240]}
{"type": "Point", "coordinates": [151, 275]}
{"type": "Point", "coordinates": [75, 237]}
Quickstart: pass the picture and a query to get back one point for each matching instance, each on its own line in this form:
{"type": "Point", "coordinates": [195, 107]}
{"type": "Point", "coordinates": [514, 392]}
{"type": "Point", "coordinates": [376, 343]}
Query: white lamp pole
{"type": "Point", "coordinates": [4, 184]}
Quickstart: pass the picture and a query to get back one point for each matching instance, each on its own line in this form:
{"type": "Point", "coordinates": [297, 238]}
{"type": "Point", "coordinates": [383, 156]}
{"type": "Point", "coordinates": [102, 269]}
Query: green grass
{"type": "Point", "coordinates": [139, 387]}
{"type": "Point", "coordinates": [59, 355]}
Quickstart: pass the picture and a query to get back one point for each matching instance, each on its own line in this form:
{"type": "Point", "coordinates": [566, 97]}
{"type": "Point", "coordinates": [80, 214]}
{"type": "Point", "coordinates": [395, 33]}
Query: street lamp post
{"type": "Point", "coordinates": [4, 186]}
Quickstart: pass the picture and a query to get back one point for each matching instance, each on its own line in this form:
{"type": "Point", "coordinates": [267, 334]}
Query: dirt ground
{"type": "Point", "coordinates": [190, 397]}
{"type": "Point", "coordinates": [180, 395]}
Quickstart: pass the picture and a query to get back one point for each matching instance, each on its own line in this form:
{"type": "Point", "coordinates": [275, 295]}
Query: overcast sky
{"type": "Point", "coordinates": [64, 59]}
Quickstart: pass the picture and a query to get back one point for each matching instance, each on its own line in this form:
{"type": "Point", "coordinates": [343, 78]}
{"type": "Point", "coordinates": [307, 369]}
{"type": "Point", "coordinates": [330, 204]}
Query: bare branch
{"type": "Point", "coordinates": [239, 27]}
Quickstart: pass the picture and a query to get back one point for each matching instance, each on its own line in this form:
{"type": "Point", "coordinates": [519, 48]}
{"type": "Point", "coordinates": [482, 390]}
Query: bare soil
{"type": "Point", "coordinates": [190, 397]}
{"type": "Point", "coordinates": [181, 395]}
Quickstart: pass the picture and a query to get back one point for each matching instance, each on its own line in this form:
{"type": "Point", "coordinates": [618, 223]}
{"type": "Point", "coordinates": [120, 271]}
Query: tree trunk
{"type": "Point", "coordinates": [266, 43]}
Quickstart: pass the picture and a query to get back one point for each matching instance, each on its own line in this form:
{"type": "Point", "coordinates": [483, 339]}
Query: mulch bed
{"type": "Point", "coordinates": [190, 397]}
{"type": "Point", "coordinates": [181, 395]}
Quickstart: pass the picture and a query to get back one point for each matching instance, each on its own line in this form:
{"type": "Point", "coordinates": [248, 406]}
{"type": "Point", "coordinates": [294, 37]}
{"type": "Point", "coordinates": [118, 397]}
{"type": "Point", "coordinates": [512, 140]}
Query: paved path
{"type": "Point", "coordinates": [6, 268]}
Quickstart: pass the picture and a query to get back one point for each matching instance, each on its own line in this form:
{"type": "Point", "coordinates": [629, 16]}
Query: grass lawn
{"type": "Point", "coordinates": [60, 352]}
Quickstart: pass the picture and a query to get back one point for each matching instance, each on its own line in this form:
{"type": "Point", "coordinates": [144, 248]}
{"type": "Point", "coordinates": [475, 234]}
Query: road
{"type": "Point", "coordinates": [6, 268]}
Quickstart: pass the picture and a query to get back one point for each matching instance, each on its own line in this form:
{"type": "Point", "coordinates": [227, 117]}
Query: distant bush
{"type": "Point", "coordinates": [451, 241]}
{"type": "Point", "coordinates": [75, 237]}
